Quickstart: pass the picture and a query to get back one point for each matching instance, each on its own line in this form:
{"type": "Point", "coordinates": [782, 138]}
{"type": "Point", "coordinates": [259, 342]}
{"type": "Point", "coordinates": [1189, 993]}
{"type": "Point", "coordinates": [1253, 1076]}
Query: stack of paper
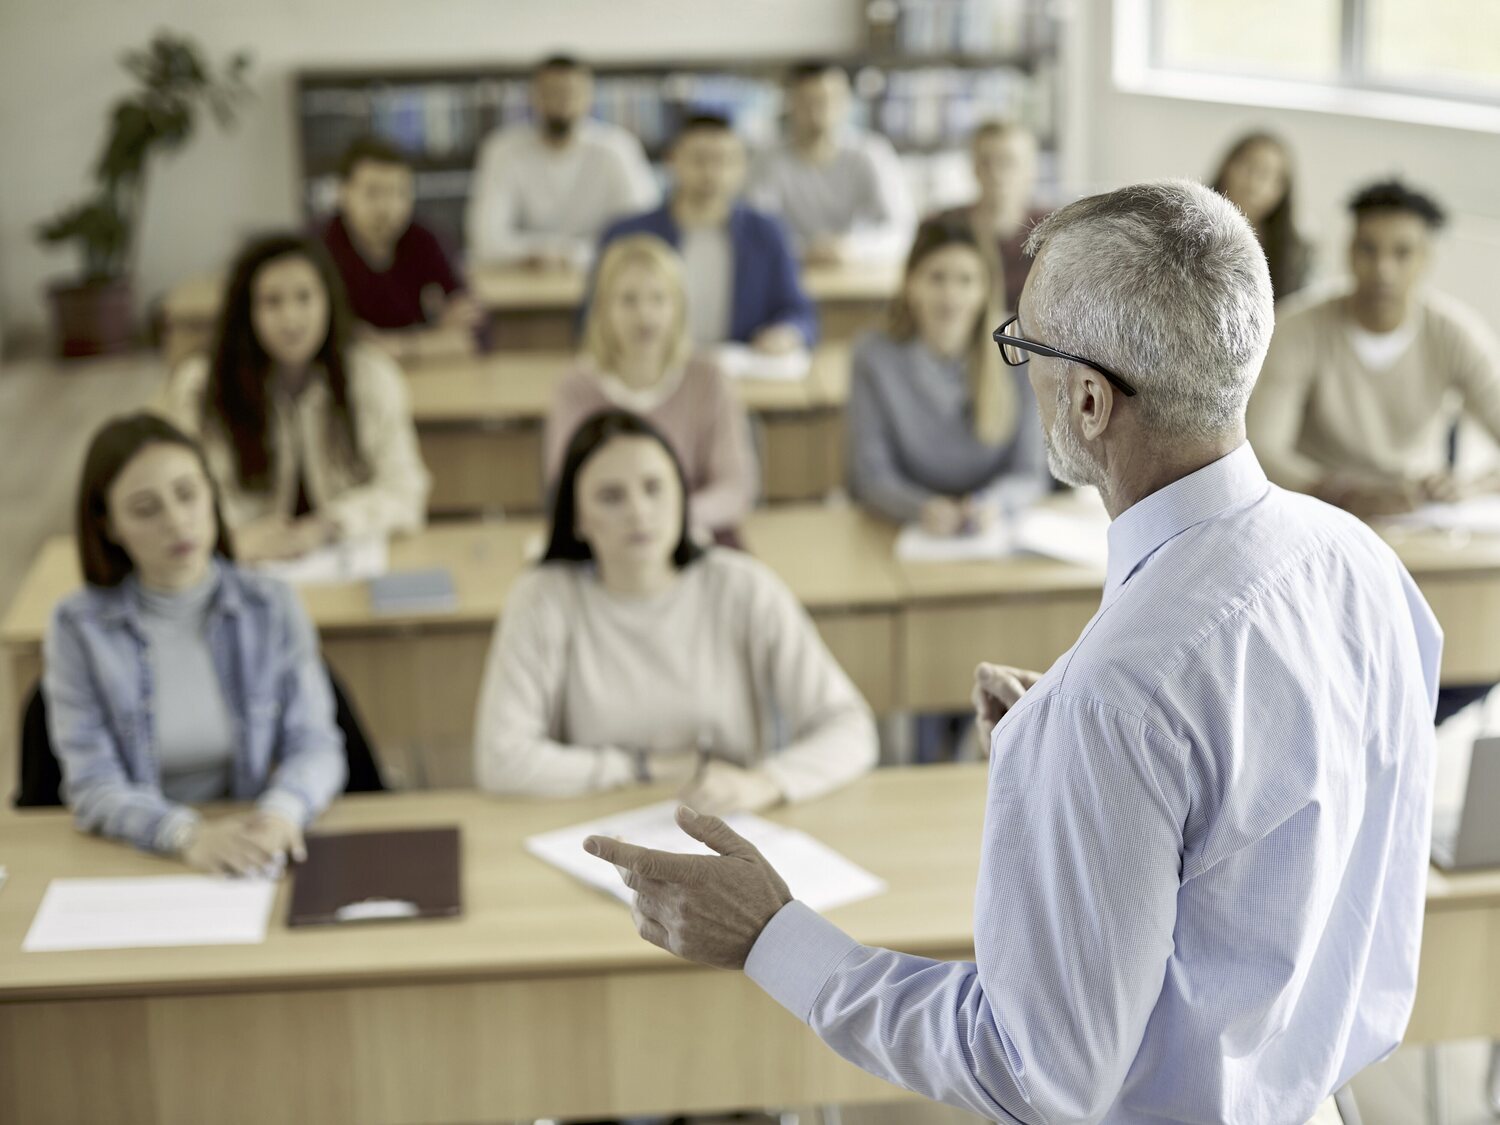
{"type": "Point", "coordinates": [164, 910]}
{"type": "Point", "coordinates": [1479, 515]}
{"type": "Point", "coordinates": [352, 560]}
{"type": "Point", "coordinates": [738, 361]}
{"type": "Point", "coordinates": [917, 545]}
{"type": "Point", "coordinates": [815, 873]}
{"type": "Point", "coordinates": [1080, 537]}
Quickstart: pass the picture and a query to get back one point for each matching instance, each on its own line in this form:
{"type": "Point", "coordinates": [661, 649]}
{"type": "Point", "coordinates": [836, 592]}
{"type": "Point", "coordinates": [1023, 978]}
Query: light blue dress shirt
{"type": "Point", "coordinates": [1204, 861]}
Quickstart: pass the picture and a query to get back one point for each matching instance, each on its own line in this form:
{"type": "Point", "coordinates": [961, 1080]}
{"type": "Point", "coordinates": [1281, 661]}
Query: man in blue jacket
{"type": "Point", "coordinates": [741, 276]}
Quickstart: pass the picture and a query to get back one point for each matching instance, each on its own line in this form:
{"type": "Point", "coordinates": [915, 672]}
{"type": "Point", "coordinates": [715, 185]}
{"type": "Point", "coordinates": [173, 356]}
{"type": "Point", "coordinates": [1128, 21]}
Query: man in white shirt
{"type": "Point", "coordinates": [544, 189]}
{"type": "Point", "coordinates": [841, 191]}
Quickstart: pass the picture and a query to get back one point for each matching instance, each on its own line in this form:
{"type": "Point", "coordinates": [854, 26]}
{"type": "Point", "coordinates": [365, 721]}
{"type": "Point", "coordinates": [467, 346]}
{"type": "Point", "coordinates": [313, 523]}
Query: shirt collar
{"type": "Point", "coordinates": [1137, 532]}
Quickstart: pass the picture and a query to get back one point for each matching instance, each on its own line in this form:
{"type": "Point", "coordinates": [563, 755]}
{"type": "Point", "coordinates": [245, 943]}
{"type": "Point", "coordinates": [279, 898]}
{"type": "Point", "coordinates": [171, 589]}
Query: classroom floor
{"type": "Point", "coordinates": [47, 412]}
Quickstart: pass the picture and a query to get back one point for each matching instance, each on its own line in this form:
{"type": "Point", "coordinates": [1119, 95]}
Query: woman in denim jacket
{"type": "Point", "coordinates": [174, 677]}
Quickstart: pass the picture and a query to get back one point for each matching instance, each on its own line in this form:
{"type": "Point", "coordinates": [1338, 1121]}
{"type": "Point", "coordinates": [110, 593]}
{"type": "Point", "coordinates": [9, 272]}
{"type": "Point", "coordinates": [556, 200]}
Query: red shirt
{"type": "Point", "coordinates": [391, 298]}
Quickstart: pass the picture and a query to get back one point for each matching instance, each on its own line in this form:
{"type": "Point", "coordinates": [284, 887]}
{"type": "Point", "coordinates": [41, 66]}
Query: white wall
{"type": "Point", "coordinates": [58, 73]}
{"type": "Point", "coordinates": [1126, 137]}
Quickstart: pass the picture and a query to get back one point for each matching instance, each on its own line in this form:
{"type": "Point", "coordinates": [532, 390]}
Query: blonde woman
{"type": "Point", "coordinates": [637, 357]}
{"type": "Point", "coordinates": [935, 421]}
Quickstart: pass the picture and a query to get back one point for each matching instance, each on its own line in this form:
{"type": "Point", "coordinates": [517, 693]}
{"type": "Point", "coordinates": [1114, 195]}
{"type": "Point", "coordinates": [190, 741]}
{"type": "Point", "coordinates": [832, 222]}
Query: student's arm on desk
{"type": "Point", "coordinates": [875, 479]}
{"type": "Point", "coordinates": [1279, 405]}
{"type": "Point", "coordinates": [790, 304]}
{"type": "Point", "coordinates": [520, 700]}
{"type": "Point", "coordinates": [103, 798]}
{"type": "Point", "coordinates": [727, 493]}
{"type": "Point", "coordinates": [312, 765]}
{"type": "Point", "coordinates": [831, 737]}
{"type": "Point", "coordinates": [1073, 929]}
{"type": "Point", "coordinates": [394, 499]}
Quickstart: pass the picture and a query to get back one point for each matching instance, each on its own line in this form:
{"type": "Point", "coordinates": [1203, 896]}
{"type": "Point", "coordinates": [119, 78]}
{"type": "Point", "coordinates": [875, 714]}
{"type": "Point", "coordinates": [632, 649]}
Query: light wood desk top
{"type": "Point", "coordinates": [514, 288]}
{"type": "Point", "coordinates": [918, 829]}
{"type": "Point", "coordinates": [484, 558]}
{"type": "Point", "coordinates": [517, 387]}
{"type": "Point", "coordinates": [830, 558]}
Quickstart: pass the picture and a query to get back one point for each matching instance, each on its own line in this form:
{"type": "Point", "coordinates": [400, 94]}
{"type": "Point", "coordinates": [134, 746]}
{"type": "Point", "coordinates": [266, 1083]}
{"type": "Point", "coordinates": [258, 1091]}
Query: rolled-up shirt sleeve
{"type": "Point", "coordinates": [1074, 922]}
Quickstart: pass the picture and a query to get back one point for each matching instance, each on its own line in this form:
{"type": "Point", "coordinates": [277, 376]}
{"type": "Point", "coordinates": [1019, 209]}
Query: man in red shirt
{"type": "Point", "coordinates": [399, 279]}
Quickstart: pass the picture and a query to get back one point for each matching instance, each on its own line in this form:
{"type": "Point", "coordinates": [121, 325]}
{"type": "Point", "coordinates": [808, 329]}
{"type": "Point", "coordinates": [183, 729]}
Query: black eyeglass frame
{"type": "Point", "coordinates": [1002, 337]}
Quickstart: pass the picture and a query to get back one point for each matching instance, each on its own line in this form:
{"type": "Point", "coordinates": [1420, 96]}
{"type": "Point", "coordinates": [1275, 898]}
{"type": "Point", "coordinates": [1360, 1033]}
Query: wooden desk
{"type": "Point", "coordinates": [540, 1001]}
{"type": "Point", "coordinates": [537, 309]}
{"type": "Point", "coordinates": [415, 678]}
{"type": "Point", "coordinates": [480, 422]}
{"type": "Point", "coordinates": [1028, 611]}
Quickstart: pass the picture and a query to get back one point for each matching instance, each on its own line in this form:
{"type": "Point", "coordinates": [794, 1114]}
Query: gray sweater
{"type": "Point", "coordinates": [910, 431]}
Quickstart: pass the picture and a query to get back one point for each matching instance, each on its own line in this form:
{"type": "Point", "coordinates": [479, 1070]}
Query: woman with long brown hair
{"type": "Point", "coordinates": [1256, 176]}
{"type": "Point", "coordinates": [308, 434]}
{"type": "Point", "coordinates": [174, 678]}
{"type": "Point", "coordinates": [935, 420]}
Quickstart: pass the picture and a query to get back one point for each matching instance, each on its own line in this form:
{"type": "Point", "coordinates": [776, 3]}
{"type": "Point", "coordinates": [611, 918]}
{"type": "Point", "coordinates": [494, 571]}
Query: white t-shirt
{"type": "Point", "coordinates": [1379, 351]}
{"type": "Point", "coordinates": [708, 265]}
{"type": "Point", "coordinates": [530, 198]}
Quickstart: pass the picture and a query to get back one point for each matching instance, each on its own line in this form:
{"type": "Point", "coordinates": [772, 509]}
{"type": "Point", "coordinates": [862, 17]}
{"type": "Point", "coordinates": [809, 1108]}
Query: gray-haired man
{"type": "Point", "coordinates": [1204, 856]}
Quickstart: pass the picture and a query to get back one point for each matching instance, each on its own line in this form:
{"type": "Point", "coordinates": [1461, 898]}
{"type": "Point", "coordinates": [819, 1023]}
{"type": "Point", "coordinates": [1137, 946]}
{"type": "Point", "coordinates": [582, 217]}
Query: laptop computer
{"type": "Point", "coordinates": [1472, 839]}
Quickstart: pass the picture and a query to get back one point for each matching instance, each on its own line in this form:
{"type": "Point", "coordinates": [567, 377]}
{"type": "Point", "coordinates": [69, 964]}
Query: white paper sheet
{"type": "Point", "coordinates": [353, 560]}
{"type": "Point", "coordinates": [1479, 515]}
{"type": "Point", "coordinates": [815, 873]}
{"type": "Point", "coordinates": [738, 361]}
{"type": "Point", "coordinates": [1080, 537]}
{"type": "Point", "coordinates": [165, 910]}
{"type": "Point", "coordinates": [916, 545]}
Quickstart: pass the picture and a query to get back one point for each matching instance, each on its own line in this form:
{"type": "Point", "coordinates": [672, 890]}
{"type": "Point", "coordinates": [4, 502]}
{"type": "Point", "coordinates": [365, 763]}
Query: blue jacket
{"type": "Point", "coordinates": [97, 683]}
{"type": "Point", "coordinates": [767, 288]}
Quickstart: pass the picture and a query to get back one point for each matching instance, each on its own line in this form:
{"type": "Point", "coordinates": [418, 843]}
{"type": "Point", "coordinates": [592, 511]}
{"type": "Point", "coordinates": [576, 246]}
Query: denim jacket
{"type": "Point", "coordinates": [97, 681]}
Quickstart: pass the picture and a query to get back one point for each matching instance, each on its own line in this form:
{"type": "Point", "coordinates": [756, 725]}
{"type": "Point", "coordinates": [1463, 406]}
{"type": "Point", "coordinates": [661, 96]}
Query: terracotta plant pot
{"type": "Point", "coordinates": [94, 318]}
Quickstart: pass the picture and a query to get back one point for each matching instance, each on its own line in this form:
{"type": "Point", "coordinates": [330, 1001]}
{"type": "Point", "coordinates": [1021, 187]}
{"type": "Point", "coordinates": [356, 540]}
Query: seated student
{"type": "Point", "coordinates": [396, 274]}
{"type": "Point", "coordinates": [637, 357]}
{"type": "Point", "coordinates": [545, 189]}
{"type": "Point", "coordinates": [629, 655]}
{"type": "Point", "coordinates": [1361, 389]}
{"type": "Point", "coordinates": [1001, 218]}
{"type": "Point", "coordinates": [739, 269]}
{"type": "Point", "coordinates": [934, 420]}
{"type": "Point", "coordinates": [174, 678]}
{"type": "Point", "coordinates": [1256, 176]}
{"type": "Point", "coordinates": [841, 191]}
{"type": "Point", "coordinates": [308, 436]}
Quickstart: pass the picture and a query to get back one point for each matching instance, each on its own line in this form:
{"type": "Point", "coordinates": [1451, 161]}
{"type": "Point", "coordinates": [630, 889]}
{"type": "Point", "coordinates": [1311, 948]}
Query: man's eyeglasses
{"type": "Point", "coordinates": [1014, 349]}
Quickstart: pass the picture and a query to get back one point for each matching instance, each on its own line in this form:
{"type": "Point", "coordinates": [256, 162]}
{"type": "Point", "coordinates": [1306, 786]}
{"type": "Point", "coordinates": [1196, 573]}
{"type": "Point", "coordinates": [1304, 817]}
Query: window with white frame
{"type": "Point", "coordinates": [1439, 49]}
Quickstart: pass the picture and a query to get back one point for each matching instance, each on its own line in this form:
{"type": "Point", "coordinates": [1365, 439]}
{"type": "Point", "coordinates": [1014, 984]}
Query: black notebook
{"type": "Point", "coordinates": [378, 877]}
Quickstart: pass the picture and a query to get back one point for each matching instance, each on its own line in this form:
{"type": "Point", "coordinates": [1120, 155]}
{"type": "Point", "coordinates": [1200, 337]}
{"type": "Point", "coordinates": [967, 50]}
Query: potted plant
{"type": "Point", "coordinates": [93, 315]}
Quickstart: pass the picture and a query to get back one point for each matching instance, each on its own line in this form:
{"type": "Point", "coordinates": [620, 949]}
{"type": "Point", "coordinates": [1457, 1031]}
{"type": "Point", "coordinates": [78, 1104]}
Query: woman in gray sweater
{"type": "Point", "coordinates": [936, 424]}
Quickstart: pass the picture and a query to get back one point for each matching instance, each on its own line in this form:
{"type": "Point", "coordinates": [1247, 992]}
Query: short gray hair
{"type": "Point", "coordinates": [1166, 285]}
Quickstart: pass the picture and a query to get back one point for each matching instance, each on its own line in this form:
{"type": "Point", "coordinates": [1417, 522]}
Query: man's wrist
{"type": "Point", "coordinates": [795, 954]}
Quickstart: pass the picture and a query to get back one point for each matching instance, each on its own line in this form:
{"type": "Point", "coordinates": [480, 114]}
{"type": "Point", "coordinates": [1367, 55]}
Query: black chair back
{"type": "Point", "coordinates": [41, 776]}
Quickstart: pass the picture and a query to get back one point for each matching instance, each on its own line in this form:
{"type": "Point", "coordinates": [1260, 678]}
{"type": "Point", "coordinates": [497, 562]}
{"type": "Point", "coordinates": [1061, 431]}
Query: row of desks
{"type": "Point", "coordinates": [909, 635]}
{"type": "Point", "coordinates": [537, 309]}
{"type": "Point", "coordinates": [540, 1001]}
{"type": "Point", "coordinates": [480, 419]}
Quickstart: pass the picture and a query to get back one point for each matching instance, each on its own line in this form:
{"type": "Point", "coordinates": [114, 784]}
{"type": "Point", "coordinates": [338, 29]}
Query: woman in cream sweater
{"type": "Point", "coordinates": [308, 435]}
{"type": "Point", "coordinates": [630, 655]}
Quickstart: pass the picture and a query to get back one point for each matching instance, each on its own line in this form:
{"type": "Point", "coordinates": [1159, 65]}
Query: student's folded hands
{"type": "Point", "coordinates": [243, 844]}
{"type": "Point", "coordinates": [721, 788]}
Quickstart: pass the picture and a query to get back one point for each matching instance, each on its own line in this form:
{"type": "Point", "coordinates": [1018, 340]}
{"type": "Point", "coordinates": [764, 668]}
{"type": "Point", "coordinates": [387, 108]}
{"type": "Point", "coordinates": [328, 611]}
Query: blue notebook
{"type": "Point", "coordinates": [413, 591]}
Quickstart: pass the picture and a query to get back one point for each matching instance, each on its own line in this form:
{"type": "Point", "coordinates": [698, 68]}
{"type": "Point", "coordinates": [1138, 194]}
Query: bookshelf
{"type": "Point", "coordinates": [932, 70]}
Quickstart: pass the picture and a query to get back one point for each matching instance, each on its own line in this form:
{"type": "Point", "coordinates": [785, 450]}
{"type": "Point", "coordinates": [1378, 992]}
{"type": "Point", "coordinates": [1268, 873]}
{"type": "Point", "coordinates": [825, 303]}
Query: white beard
{"type": "Point", "coordinates": [1068, 458]}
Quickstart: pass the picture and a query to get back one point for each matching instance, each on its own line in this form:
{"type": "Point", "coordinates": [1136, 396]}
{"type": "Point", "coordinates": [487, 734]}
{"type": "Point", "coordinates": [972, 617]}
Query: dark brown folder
{"type": "Point", "coordinates": [377, 877]}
